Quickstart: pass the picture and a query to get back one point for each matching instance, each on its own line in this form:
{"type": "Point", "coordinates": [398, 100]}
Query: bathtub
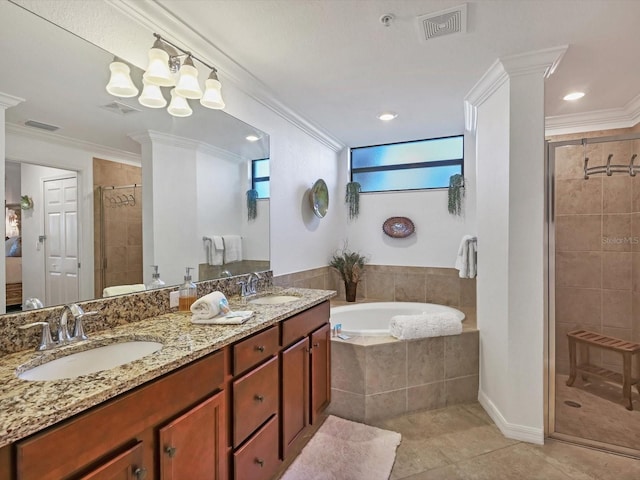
{"type": "Point", "coordinates": [372, 319]}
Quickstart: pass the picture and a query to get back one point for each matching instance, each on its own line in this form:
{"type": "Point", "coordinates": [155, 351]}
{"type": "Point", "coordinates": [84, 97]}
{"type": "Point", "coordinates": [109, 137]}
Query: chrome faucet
{"type": "Point", "coordinates": [47, 342]}
{"type": "Point", "coordinates": [250, 285]}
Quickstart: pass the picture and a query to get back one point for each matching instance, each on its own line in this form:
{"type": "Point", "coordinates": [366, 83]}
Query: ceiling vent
{"type": "Point", "coordinates": [446, 22]}
{"type": "Point", "coordinates": [41, 126]}
{"type": "Point", "coordinates": [120, 108]}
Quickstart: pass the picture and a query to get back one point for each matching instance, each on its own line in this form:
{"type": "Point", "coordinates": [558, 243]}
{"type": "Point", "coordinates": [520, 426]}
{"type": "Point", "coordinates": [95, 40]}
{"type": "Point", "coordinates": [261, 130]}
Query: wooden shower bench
{"type": "Point", "coordinates": [625, 348]}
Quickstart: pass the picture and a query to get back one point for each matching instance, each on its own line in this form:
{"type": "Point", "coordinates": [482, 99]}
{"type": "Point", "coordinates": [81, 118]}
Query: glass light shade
{"type": "Point", "coordinates": [188, 86]}
{"type": "Point", "coordinates": [212, 97]}
{"type": "Point", "coordinates": [120, 83]}
{"type": "Point", "coordinates": [179, 107]}
{"type": "Point", "coordinates": [158, 72]}
{"type": "Point", "coordinates": [151, 96]}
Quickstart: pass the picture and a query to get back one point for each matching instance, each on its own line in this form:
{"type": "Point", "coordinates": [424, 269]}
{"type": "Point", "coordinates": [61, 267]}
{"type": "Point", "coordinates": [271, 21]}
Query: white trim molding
{"type": "Point", "coordinates": [8, 101]}
{"type": "Point", "coordinates": [608, 119]}
{"type": "Point", "coordinates": [152, 136]}
{"type": "Point", "coordinates": [510, 430]}
{"type": "Point", "coordinates": [540, 61]}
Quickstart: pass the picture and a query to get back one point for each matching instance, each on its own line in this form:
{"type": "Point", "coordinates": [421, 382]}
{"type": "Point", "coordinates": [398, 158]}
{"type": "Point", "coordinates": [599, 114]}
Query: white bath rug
{"type": "Point", "coordinates": [346, 450]}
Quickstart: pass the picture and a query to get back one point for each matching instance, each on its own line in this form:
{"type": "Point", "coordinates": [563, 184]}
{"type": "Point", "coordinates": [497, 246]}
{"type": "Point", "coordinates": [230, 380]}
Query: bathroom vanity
{"type": "Point", "coordinates": [218, 402]}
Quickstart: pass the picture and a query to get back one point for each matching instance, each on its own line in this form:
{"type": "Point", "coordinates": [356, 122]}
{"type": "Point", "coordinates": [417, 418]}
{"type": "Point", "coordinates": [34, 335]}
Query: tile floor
{"type": "Point", "coordinates": [462, 443]}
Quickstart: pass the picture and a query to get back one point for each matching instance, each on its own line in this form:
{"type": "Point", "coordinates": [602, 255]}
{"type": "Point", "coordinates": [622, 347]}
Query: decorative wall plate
{"type": "Point", "coordinates": [398, 227]}
{"type": "Point", "coordinates": [319, 197]}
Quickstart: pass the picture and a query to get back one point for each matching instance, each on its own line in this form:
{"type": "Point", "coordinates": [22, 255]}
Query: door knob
{"type": "Point", "coordinates": [140, 473]}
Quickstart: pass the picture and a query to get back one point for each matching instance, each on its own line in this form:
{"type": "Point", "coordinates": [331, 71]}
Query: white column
{"type": "Point", "coordinates": [505, 110]}
{"type": "Point", "coordinates": [6, 101]}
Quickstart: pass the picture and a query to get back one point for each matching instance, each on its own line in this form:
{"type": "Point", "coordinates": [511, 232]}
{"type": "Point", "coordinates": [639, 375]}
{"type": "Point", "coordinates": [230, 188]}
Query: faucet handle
{"type": "Point", "coordinates": [78, 329]}
{"type": "Point", "coordinates": [46, 342]}
{"type": "Point", "coordinates": [243, 288]}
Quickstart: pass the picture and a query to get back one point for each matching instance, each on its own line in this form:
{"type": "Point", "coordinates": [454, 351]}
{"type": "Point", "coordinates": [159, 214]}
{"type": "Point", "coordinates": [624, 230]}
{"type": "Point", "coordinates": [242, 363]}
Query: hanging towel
{"type": "Point", "coordinates": [208, 306]}
{"type": "Point", "coordinates": [122, 289]}
{"type": "Point", "coordinates": [466, 259]}
{"type": "Point", "coordinates": [405, 327]}
{"type": "Point", "coordinates": [217, 250]}
{"type": "Point", "coordinates": [232, 248]}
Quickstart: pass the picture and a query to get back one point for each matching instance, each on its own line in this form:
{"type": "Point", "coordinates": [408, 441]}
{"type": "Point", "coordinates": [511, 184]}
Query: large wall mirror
{"type": "Point", "coordinates": [117, 187]}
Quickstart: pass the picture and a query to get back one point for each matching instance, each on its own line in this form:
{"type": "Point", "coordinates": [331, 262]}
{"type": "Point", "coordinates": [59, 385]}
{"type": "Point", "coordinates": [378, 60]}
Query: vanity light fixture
{"type": "Point", "coordinates": [386, 116]}
{"type": "Point", "coordinates": [573, 96]}
{"type": "Point", "coordinates": [120, 83]}
{"type": "Point", "coordinates": [169, 66]}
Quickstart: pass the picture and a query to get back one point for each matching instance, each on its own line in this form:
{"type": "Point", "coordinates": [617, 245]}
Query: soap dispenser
{"type": "Point", "coordinates": [155, 282]}
{"type": "Point", "coordinates": [188, 293]}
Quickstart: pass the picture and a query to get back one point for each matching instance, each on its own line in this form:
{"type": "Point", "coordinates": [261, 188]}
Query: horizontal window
{"type": "Point", "coordinates": [260, 177]}
{"type": "Point", "coordinates": [413, 165]}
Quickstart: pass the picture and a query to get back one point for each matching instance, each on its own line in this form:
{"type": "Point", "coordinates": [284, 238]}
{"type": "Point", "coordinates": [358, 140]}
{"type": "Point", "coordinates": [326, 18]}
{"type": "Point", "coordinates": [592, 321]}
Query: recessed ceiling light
{"type": "Point", "coordinates": [252, 138]}
{"type": "Point", "coordinates": [386, 116]}
{"type": "Point", "coordinates": [573, 96]}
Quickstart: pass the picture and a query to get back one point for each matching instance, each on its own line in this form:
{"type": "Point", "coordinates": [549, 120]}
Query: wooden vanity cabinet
{"type": "Point", "coordinates": [112, 435]}
{"type": "Point", "coordinates": [306, 373]}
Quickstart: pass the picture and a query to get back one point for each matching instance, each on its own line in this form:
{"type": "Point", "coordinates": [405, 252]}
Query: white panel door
{"type": "Point", "coordinates": [61, 244]}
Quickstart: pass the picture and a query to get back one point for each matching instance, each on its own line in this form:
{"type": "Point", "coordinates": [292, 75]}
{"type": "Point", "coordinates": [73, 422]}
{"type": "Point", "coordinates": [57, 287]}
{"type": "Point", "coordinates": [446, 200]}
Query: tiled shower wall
{"type": "Point", "coordinates": [597, 230]}
{"type": "Point", "coordinates": [394, 283]}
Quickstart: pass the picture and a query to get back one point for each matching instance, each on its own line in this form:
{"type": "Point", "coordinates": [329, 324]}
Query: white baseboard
{"type": "Point", "coordinates": [510, 430]}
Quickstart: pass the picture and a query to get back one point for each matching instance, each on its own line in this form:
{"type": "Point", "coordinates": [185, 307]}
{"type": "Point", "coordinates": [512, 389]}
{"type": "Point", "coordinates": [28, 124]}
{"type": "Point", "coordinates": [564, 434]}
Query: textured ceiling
{"type": "Point", "coordinates": [335, 64]}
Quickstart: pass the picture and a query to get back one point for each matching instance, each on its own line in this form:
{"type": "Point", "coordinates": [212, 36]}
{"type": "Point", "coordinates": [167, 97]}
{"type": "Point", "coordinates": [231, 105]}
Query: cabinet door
{"type": "Point", "coordinates": [320, 370]}
{"type": "Point", "coordinates": [193, 445]}
{"type": "Point", "coordinates": [295, 392]}
{"type": "Point", "coordinates": [126, 466]}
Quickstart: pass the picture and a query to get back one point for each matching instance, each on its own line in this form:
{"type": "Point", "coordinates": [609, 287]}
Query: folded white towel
{"type": "Point", "coordinates": [232, 248]}
{"type": "Point", "coordinates": [405, 327]}
{"type": "Point", "coordinates": [231, 318]}
{"type": "Point", "coordinates": [208, 306]}
{"type": "Point", "coordinates": [466, 259]}
{"type": "Point", "coordinates": [217, 253]}
{"type": "Point", "coordinates": [122, 289]}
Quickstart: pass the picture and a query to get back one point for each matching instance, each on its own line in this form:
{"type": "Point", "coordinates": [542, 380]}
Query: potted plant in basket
{"type": "Point", "coordinates": [350, 266]}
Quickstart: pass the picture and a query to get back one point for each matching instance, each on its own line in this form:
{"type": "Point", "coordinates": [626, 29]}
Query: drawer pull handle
{"type": "Point", "coordinates": [260, 348]}
{"type": "Point", "coordinates": [259, 398]}
{"type": "Point", "coordinates": [171, 451]}
{"type": "Point", "coordinates": [140, 473]}
{"type": "Point", "coordinates": [316, 344]}
{"type": "Point", "coordinates": [260, 462]}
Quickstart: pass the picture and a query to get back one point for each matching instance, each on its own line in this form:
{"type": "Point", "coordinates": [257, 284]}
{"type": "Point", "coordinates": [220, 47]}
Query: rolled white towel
{"type": "Point", "coordinates": [122, 289]}
{"type": "Point", "coordinates": [405, 327]}
{"type": "Point", "coordinates": [207, 306]}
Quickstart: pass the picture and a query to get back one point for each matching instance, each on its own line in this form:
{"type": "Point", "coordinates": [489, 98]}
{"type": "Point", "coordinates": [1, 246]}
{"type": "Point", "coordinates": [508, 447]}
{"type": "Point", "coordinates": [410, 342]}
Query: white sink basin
{"type": "Point", "coordinates": [91, 361]}
{"type": "Point", "coordinates": [274, 299]}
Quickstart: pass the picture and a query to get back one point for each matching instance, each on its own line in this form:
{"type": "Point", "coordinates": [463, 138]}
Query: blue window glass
{"type": "Point", "coordinates": [413, 165]}
{"type": "Point", "coordinates": [260, 177]}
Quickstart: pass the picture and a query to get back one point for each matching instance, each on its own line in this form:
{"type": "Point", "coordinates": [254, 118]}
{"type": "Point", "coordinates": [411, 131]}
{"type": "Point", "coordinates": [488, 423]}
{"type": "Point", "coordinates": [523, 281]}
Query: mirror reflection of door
{"type": "Point", "coordinates": [60, 204]}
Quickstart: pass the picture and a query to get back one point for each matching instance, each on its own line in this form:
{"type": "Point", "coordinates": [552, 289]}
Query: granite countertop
{"type": "Point", "coordinates": [27, 407]}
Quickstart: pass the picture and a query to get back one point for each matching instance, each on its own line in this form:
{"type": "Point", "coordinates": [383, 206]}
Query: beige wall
{"type": "Point", "coordinates": [597, 228]}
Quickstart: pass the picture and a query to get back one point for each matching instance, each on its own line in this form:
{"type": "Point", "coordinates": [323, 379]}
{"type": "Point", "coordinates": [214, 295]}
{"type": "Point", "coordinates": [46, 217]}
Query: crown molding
{"type": "Point", "coordinates": [101, 151]}
{"type": "Point", "coordinates": [7, 101]}
{"type": "Point", "coordinates": [607, 119]}
{"type": "Point", "coordinates": [542, 62]}
{"type": "Point", "coordinates": [155, 137]}
{"type": "Point", "coordinates": [156, 18]}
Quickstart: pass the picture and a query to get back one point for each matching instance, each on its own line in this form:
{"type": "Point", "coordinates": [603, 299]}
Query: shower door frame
{"type": "Point", "coordinates": [550, 371]}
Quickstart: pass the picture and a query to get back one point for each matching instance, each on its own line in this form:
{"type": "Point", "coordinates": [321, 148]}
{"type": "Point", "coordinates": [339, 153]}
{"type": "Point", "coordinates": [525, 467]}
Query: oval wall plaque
{"type": "Point", "coordinates": [398, 227]}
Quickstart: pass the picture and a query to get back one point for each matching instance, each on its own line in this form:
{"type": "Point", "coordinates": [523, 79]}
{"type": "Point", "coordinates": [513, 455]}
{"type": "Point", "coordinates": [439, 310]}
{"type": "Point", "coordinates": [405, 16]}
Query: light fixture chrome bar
{"type": "Point", "coordinates": [186, 53]}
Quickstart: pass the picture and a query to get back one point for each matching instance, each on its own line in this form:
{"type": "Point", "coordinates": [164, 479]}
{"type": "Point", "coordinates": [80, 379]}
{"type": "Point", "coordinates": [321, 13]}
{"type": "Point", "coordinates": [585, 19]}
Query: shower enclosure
{"type": "Point", "coordinates": [120, 237]}
{"type": "Point", "coordinates": [594, 297]}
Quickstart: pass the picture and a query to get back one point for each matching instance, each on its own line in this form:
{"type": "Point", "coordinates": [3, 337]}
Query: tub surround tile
{"type": "Point", "coordinates": [461, 390]}
{"type": "Point", "coordinates": [578, 233]}
{"type": "Point", "coordinates": [410, 287]}
{"type": "Point", "coordinates": [348, 364]}
{"type": "Point", "coordinates": [425, 360]}
{"type": "Point", "coordinates": [467, 292]}
{"type": "Point", "coordinates": [443, 290]}
{"type": "Point", "coordinates": [28, 407]}
{"type": "Point", "coordinates": [381, 286]}
{"type": "Point", "coordinates": [382, 405]}
{"type": "Point", "coordinates": [347, 405]}
{"type": "Point", "coordinates": [426, 397]}
{"type": "Point", "coordinates": [461, 355]}
{"type": "Point", "coordinates": [386, 367]}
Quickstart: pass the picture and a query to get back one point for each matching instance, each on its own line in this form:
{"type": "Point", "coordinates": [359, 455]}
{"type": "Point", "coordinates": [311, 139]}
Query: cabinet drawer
{"type": "Point", "coordinates": [255, 399]}
{"type": "Point", "coordinates": [258, 458]}
{"type": "Point", "coordinates": [253, 350]}
{"type": "Point", "coordinates": [304, 323]}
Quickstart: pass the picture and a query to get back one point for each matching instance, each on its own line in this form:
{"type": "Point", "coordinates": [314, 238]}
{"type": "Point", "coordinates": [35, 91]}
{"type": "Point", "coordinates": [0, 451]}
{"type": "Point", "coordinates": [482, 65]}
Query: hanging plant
{"type": "Point", "coordinates": [252, 204]}
{"type": "Point", "coordinates": [456, 194]}
{"type": "Point", "coordinates": [26, 202]}
{"type": "Point", "coordinates": [353, 199]}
